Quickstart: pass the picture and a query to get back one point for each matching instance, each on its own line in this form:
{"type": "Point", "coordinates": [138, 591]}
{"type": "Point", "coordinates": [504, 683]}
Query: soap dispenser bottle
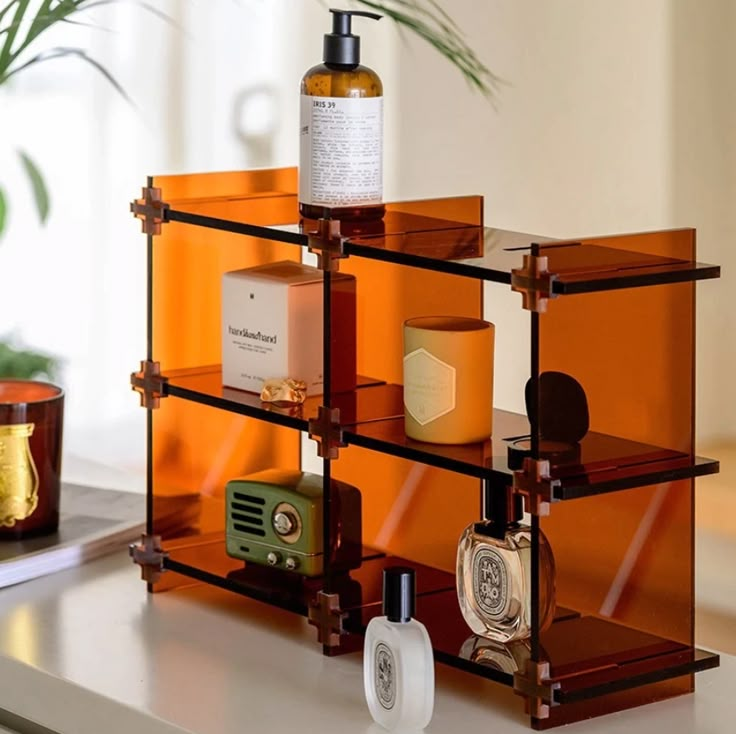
{"type": "Point", "coordinates": [398, 667]}
{"type": "Point", "coordinates": [341, 130]}
{"type": "Point", "coordinates": [494, 581]}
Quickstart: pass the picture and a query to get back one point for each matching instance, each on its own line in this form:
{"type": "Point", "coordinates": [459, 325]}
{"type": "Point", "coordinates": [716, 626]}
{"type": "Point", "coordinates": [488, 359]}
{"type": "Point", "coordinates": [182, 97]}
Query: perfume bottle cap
{"type": "Point", "coordinates": [501, 505]}
{"type": "Point", "coordinates": [398, 593]}
{"type": "Point", "coordinates": [341, 47]}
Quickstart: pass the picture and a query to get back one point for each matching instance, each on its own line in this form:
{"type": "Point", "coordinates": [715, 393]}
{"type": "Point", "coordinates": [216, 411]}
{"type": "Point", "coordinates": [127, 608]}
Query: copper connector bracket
{"type": "Point", "coordinates": [149, 555]}
{"type": "Point", "coordinates": [534, 483]}
{"type": "Point", "coordinates": [149, 383]}
{"type": "Point", "coordinates": [327, 243]}
{"type": "Point", "coordinates": [326, 431]}
{"type": "Point", "coordinates": [535, 686]}
{"type": "Point", "coordinates": [534, 282]}
{"type": "Point", "coordinates": [325, 614]}
{"type": "Point", "coordinates": [151, 210]}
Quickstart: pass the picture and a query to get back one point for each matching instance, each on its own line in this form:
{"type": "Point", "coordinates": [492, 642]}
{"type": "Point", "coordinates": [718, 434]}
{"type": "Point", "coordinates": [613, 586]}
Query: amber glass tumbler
{"type": "Point", "coordinates": [31, 421]}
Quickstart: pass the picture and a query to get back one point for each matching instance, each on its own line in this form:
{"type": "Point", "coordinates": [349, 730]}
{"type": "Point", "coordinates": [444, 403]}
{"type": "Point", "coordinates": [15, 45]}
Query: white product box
{"type": "Point", "coordinates": [272, 325]}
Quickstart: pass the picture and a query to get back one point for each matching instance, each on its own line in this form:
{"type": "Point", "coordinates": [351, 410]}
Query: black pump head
{"type": "Point", "coordinates": [341, 47]}
{"type": "Point", "coordinates": [398, 593]}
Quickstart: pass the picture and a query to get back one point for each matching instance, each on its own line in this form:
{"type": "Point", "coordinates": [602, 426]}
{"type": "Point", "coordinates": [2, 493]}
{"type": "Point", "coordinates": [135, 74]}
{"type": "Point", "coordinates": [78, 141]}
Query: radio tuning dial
{"type": "Point", "coordinates": [284, 523]}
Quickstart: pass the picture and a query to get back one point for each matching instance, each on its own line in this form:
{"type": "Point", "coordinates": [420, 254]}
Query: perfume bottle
{"type": "Point", "coordinates": [398, 667]}
{"type": "Point", "coordinates": [494, 571]}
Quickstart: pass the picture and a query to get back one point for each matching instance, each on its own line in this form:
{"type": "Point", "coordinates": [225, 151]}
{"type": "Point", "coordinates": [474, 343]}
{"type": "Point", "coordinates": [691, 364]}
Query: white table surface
{"type": "Point", "coordinates": [88, 651]}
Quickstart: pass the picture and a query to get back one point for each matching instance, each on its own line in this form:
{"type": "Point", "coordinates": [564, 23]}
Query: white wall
{"type": "Point", "coordinates": [703, 190]}
{"type": "Point", "coordinates": [616, 117]}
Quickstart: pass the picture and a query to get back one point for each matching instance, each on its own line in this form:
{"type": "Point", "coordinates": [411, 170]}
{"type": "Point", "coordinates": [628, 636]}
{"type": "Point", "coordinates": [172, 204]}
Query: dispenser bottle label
{"type": "Point", "coordinates": [341, 151]}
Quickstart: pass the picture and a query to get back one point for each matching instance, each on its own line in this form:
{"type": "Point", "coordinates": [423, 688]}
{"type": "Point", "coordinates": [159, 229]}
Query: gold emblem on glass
{"type": "Point", "coordinates": [18, 474]}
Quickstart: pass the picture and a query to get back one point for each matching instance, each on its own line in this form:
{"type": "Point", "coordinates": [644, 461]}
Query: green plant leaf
{"type": "Point", "coordinates": [6, 52]}
{"type": "Point", "coordinates": [24, 364]}
{"type": "Point", "coordinates": [429, 21]}
{"type": "Point", "coordinates": [38, 186]}
{"type": "Point", "coordinates": [61, 52]}
{"type": "Point", "coordinates": [3, 211]}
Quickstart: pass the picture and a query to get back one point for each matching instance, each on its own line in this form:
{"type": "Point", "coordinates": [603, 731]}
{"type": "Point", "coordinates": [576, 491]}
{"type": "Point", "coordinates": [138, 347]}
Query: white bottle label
{"type": "Point", "coordinates": [341, 151]}
{"type": "Point", "coordinates": [384, 675]}
{"type": "Point", "coordinates": [490, 583]}
{"type": "Point", "coordinates": [429, 386]}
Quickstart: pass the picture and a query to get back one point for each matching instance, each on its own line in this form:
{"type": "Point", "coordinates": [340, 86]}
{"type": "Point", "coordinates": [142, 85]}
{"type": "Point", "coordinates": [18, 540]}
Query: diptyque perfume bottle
{"type": "Point", "coordinates": [398, 666]}
{"type": "Point", "coordinates": [494, 571]}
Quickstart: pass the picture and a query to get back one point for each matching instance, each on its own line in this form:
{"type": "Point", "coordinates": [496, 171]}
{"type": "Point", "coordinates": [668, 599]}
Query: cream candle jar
{"type": "Point", "coordinates": [448, 379]}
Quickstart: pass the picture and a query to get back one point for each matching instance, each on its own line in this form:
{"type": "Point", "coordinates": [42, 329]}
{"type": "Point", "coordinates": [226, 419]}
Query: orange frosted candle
{"type": "Point", "coordinates": [448, 379]}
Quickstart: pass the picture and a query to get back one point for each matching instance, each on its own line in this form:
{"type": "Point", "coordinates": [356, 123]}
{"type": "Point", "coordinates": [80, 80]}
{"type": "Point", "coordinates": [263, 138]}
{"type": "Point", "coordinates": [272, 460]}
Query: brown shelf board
{"type": "Point", "coordinates": [592, 656]}
{"type": "Point", "coordinates": [372, 417]}
{"type": "Point", "coordinates": [447, 235]}
{"type": "Point", "coordinates": [605, 464]}
{"type": "Point", "coordinates": [204, 385]}
{"type": "Point", "coordinates": [589, 656]}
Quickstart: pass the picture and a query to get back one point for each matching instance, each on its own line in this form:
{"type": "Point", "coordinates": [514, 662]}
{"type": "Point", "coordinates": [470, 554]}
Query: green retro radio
{"type": "Point", "coordinates": [274, 518]}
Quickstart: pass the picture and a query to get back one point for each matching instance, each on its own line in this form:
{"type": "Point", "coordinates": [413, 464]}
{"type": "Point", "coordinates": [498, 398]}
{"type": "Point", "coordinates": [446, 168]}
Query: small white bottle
{"type": "Point", "coordinates": [398, 666]}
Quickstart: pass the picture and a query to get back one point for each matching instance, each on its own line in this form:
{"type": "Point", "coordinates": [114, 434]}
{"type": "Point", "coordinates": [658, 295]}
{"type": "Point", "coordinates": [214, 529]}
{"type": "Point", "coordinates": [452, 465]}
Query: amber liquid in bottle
{"type": "Point", "coordinates": [326, 81]}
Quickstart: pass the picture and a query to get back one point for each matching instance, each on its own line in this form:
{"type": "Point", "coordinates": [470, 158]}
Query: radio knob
{"type": "Point", "coordinates": [291, 563]}
{"type": "Point", "coordinates": [284, 523]}
{"type": "Point", "coordinates": [273, 558]}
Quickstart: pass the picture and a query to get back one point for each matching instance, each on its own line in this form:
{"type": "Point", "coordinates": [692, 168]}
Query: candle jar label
{"type": "Point", "coordinates": [18, 475]}
{"type": "Point", "coordinates": [429, 386]}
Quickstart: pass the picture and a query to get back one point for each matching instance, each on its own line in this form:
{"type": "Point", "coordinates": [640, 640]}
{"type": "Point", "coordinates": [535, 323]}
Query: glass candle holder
{"type": "Point", "coordinates": [448, 379]}
{"type": "Point", "coordinates": [31, 422]}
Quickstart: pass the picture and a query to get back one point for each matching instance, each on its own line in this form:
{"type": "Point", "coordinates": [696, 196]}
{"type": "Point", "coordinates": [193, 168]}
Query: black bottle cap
{"type": "Point", "coordinates": [501, 507]}
{"type": "Point", "coordinates": [398, 593]}
{"type": "Point", "coordinates": [341, 47]}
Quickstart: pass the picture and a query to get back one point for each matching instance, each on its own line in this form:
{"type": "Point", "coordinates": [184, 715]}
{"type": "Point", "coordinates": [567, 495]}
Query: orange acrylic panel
{"type": "Point", "coordinates": [624, 560]}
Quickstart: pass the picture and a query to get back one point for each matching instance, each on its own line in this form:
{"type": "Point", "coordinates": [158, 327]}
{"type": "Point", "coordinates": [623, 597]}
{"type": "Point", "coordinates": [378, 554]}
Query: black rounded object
{"type": "Point", "coordinates": [560, 407]}
{"type": "Point", "coordinates": [398, 593]}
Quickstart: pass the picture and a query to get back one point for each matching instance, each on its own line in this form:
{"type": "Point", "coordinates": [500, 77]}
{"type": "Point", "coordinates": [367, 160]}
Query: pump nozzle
{"type": "Point", "coordinates": [341, 47]}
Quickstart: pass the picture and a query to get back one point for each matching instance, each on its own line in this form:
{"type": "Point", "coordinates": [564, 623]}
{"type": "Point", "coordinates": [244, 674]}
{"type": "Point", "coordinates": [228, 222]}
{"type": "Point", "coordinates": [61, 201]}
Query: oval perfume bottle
{"type": "Point", "coordinates": [494, 571]}
{"type": "Point", "coordinates": [398, 665]}
{"type": "Point", "coordinates": [341, 130]}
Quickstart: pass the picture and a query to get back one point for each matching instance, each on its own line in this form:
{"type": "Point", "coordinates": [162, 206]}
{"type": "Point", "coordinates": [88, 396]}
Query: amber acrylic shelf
{"type": "Point", "coordinates": [467, 248]}
{"type": "Point", "coordinates": [615, 312]}
{"type": "Point", "coordinates": [590, 656]}
{"type": "Point", "coordinates": [372, 417]}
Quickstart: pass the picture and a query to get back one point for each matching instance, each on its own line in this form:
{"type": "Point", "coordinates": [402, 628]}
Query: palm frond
{"type": "Point", "coordinates": [63, 51]}
{"type": "Point", "coordinates": [6, 52]}
{"type": "Point", "coordinates": [38, 186]}
{"type": "Point", "coordinates": [3, 211]}
{"type": "Point", "coordinates": [428, 20]}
